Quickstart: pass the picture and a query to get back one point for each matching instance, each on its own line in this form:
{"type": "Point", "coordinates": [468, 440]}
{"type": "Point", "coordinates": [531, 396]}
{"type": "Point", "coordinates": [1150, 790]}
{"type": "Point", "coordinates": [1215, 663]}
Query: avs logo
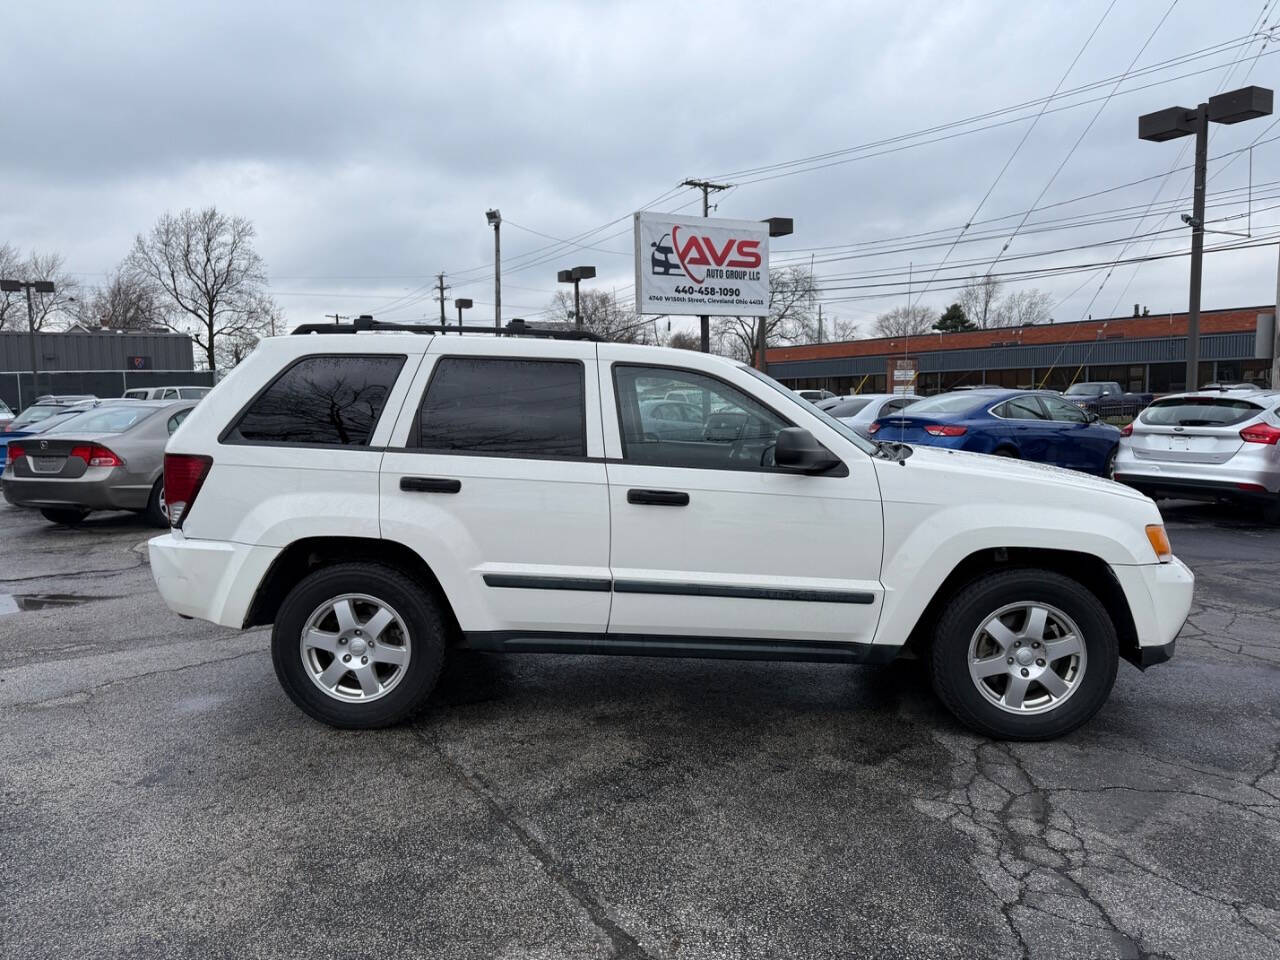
{"type": "Point", "coordinates": [693, 251]}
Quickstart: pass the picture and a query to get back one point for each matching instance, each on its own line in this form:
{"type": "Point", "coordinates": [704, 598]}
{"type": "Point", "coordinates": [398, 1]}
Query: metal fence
{"type": "Point", "coordinates": [18, 392]}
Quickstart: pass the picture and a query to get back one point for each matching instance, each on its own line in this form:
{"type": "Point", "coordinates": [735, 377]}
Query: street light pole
{"type": "Point", "coordinates": [1197, 247]}
{"type": "Point", "coordinates": [38, 286]}
{"type": "Point", "coordinates": [576, 276]}
{"type": "Point", "coordinates": [778, 227]}
{"type": "Point", "coordinates": [1247, 103]}
{"type": "Point", "coordinates": [495, 220]}
{"type": "Point", "coordinates": [463, 304]}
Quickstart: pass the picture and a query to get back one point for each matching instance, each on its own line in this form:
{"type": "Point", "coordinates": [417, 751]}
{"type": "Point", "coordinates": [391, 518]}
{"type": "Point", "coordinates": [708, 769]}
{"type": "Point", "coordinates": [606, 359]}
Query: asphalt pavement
{"type": "Point", "coordinates": [160, 797]}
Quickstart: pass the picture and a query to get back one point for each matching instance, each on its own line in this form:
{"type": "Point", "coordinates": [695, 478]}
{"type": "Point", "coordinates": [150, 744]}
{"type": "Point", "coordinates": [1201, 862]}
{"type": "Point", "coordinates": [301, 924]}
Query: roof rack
{"type": "Point", "coordinates": [515, 328]}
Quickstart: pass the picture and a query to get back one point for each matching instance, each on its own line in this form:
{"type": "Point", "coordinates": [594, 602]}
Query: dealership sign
{"type": "Point", "coordinates": [695, 265]}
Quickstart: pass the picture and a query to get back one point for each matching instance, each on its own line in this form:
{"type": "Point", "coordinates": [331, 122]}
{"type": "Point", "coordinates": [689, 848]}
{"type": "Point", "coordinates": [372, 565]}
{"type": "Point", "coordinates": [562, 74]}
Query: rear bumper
{"type": "Point", "coordinates": [1250, 474]}
{"type": "Point", "coordinates": [208, 579]}
{"type": "Point", "coordinates": [83, 493]}
{"type": "Point", "coordinates": [1159, 596]}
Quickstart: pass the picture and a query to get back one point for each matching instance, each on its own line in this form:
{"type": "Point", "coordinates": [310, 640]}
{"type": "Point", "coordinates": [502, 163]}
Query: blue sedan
{"type": "Point", "coordinates": [1027, 424]}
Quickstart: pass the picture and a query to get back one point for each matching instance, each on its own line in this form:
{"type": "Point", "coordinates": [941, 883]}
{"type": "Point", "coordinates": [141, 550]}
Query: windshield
{"type": "Point", "coordinates": [1084, 390]}
{"type": "Point", "coordinates": [1199, 412]}
{"type": "Point", "coordinates": [846, 431]}
{"type": "Point", "coordinates": [110, 420]}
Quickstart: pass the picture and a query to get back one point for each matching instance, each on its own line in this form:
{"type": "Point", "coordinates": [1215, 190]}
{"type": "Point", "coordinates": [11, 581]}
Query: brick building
{"type": "Point", "coordinates": [1146, 353]}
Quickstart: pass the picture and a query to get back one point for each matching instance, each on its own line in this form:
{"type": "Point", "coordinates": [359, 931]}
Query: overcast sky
{"type": "Point", "coordinates": [366, 141]}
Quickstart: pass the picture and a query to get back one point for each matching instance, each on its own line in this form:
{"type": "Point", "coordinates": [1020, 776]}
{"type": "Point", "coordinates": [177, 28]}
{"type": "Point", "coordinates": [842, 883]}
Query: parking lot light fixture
{"type": "Point", "coordinates": [494, 217]}
{"type": "Point", "coordinates": [39, 286]}
{"type": "Point", "coordinates": [575, 276]}
{"type": "Point", "coordinates": [778, 227]}
{"type": "Point", "coordinates": [1236, 106]}
{"type": "Point", "coordinates": [463, 304]}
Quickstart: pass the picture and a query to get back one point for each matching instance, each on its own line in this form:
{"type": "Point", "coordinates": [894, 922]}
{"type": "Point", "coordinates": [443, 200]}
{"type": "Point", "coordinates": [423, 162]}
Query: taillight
{"type": "Point", "coordinates": [96, 455]}
{"type": "Point", "coordinates": [1126, 430]}
{"type": "Point", "coordinates": [184, 474]}
{"type": "Point", "coordinates": [874, 428]}
{"type": "Point", "coordinates": [16, 450]}
{"type": "Point", "coordinates": [1261, 433]}
{"type": "Point", "coordinates": [944, 430]}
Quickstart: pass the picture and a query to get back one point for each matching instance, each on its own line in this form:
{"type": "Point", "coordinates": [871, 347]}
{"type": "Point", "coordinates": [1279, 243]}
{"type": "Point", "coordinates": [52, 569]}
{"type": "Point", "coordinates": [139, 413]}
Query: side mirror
{"type": "Point", "coordinates": [797, 450]}
{"type": "Point", "coordinates": [1091, 417]}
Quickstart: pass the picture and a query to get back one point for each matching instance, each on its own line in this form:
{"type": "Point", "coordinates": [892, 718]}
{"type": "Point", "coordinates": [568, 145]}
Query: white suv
{"type": "Point", "coordinates": [379, 497]}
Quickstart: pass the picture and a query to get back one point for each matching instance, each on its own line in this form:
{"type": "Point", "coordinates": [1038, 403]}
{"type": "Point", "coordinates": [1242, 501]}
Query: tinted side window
{"type": "Point", "coordinates": [728, 429]}
{"type": "Point", "coordinates": [504, 407]}
{"type": "Point", "coordinates": [1021, 408]}
{"type": "Point", "coordinates": [332, 400]}
{"type": "Point", "coordinates": [1063, 410]}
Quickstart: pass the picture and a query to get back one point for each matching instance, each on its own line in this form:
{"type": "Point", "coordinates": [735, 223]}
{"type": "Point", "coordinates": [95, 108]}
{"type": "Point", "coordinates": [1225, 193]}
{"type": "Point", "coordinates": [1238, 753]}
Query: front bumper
{"type": "Point", "coordinates": [83, 493]}
{"type": "Point", "coordinates": [1159, 596]}
{"type": "Point", "coordinates": [208, 579]}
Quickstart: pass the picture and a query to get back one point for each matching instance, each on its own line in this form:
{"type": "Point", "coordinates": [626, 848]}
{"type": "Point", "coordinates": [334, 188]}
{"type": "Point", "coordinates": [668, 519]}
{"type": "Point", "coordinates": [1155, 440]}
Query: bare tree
{"type": "Point", "coordinates": [127, 301]}
{"type": "Point", "coordinates": [264, 319]}
{"type": "Point", "coordinates": [791, 292]}
{"type": "Point", "coordinates": [45, 307]}
{"type": "Point", "coordinates": [204, 264]}
{"type": "Point", "coordinates": [1022, 307]}
{"type": "Point", "coordinates": [602, 315]}
{"type": "Point", "coordinates": [685, 340]}
{"type": "Point", "coordinates": [12, 304]}
{"type": "Point", "coordinates": [906, 321]}
{"type": "Point", "coordinates": [979, 298]}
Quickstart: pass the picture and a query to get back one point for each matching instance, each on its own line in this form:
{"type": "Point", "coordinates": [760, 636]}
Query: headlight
{"type": "Point", "coordinates": [1159, 540]}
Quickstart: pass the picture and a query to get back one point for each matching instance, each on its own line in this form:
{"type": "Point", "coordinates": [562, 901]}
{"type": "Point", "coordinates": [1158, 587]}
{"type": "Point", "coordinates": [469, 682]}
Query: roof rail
{"type": "Point", "coordinates": [514, 328]}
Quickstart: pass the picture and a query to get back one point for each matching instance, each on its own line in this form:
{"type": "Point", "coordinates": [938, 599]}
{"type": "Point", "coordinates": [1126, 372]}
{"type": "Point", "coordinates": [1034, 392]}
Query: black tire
{"type": "Point", "coordinates": [155, 514]}
{"type": "Point", "coordinates": [1109, 468]}
{"type": "Point", "coordinates": [1271, 511]}
{"type": "Point", "coordinates": [1006, 452]}
{"type": "Point", "coordinates": [68, 516]}
{"type": "Point", "coordinates": [970, 608]}
{"type": "Point", "coordinates": [423, 622]}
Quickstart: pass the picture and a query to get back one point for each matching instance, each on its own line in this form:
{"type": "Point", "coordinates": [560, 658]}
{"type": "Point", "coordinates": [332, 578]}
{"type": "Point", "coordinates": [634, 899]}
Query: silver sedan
{"type": "Point", "coordinates": [862, 409]}
{"type": "Point", "coordinates": [1221, 444]}
{"type": "Point", "coordinates": [109, 458]}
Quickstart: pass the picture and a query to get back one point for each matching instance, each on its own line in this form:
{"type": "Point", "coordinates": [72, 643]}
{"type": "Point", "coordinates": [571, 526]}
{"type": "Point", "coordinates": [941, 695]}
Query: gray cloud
{"type": "Point", "coordinates": [367, 142]}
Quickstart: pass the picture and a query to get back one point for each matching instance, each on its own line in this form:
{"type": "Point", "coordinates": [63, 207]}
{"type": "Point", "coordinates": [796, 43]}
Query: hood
{"type": "Point", "coordinates": [1001, 475]}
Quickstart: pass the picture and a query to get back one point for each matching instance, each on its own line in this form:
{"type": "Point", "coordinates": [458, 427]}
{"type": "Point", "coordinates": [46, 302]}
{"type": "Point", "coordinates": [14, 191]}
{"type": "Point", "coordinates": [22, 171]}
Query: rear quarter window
{"type": "Point", "coordinates": [320, 401]}
{"type": "Point", "coordinates": [1199, 412]}
{"type": "Point", "coordinates": [504, 407]}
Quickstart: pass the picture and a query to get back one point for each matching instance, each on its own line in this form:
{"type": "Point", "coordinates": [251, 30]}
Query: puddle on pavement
{"type": "Point", "coordinates": [17, 602]}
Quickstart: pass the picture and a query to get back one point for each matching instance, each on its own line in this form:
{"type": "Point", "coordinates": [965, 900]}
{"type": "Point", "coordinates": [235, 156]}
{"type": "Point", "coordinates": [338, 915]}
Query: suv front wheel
{"type": "Point", "coordinates": [358, 645]}
{"type": "Point", "coordinates": [1024, 654]}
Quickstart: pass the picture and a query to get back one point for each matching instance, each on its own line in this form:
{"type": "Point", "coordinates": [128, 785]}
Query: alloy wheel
{"type": "Point", "coordinates": [355, 648]}
{"type": "Point", "coordinates": [1027, 658]}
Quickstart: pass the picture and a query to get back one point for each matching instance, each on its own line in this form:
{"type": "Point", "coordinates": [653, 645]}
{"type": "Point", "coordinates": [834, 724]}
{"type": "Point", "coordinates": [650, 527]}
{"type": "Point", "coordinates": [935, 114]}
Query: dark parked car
{"type": "Point", "coordinates": [1107, 399]}
{"type": "Point", "coordinates": [1027, 424]}
{"type": "Point", "coordinates": [110, 458]}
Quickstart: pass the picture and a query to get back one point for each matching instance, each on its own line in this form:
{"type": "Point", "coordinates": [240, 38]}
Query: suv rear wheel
{"type": "Point", "coordinates": [358, 645]}
{"type": "Point", "coordinates": [1024, 654]}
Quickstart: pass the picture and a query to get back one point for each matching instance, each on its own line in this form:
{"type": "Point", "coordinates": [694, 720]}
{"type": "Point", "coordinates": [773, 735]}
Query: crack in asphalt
{"type": "Point", "coordinates": [1037, 860]}
{"type": "Point", "coordinates": [625, 946]}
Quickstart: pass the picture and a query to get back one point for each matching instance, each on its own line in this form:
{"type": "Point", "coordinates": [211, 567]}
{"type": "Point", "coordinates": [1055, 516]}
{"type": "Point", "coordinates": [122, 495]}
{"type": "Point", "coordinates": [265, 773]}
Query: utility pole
{"type": "Point", "coordinates": [440, 289]}
{"type": "Point", "coordinates": [707, 188]}
{"type": "Point", "coordinates": [820, 338]}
